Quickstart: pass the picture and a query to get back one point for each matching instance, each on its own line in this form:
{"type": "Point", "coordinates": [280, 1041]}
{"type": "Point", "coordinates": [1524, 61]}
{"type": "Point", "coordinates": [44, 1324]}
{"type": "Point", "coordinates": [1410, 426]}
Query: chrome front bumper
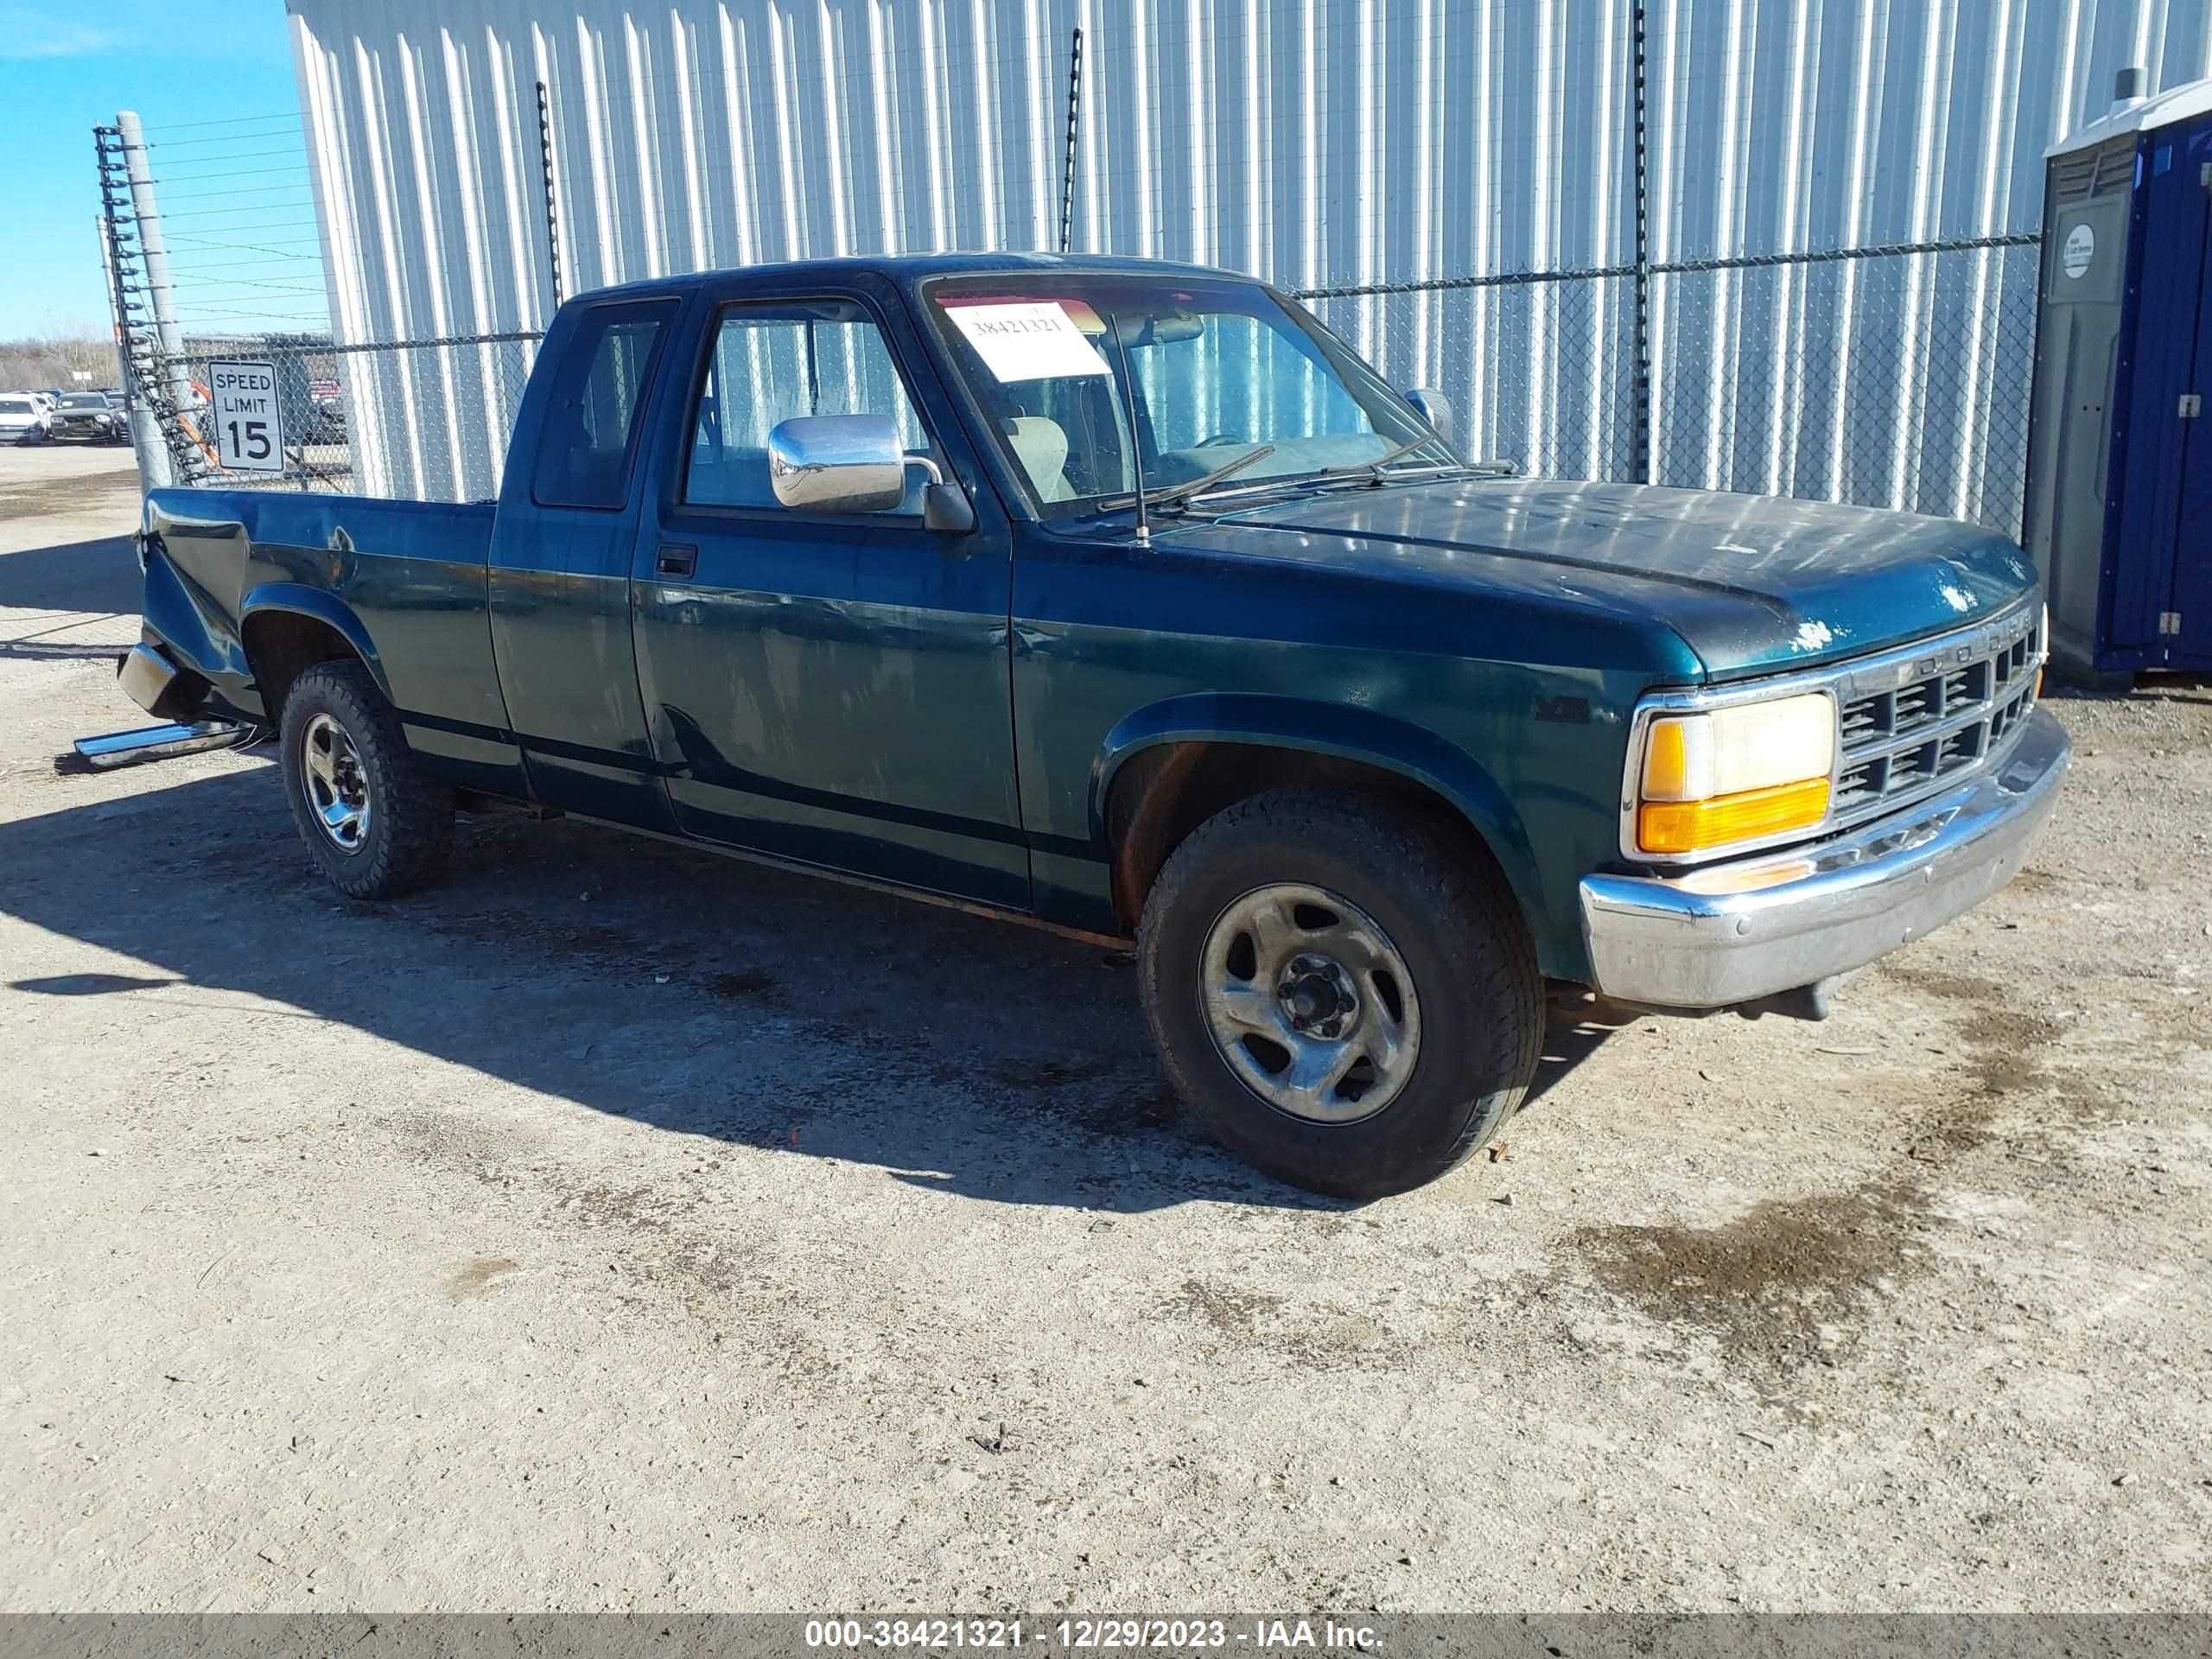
{"type": "Point", "coordinates": [1734, 932]}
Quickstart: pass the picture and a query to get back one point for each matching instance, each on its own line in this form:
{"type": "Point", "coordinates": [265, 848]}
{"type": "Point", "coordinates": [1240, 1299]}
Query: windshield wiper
{"type": "Point", "coordinates": [1368, 471]}
{"type": "Point", "coordinates": [1168, 494]}
{"type": "Point", "coordinates": [1373, 469]}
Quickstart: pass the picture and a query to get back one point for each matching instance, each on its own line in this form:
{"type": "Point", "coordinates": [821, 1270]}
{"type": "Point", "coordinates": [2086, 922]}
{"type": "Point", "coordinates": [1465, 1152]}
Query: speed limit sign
{"type": "Point", "coordinates": [248, 435]}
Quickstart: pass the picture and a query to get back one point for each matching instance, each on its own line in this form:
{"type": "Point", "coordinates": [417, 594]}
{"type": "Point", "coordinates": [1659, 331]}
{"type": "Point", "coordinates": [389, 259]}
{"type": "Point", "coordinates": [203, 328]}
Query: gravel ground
{"type": "Point", "coordinates": [613, 1227]}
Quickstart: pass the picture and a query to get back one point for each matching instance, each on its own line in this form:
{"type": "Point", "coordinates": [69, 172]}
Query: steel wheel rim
{"type": "Point", "coordinates": [335, 783]}
{"type": "Point", "coordinates": [1310, 1003]}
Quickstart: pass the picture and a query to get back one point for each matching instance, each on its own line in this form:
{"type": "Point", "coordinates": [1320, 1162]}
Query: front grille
{"type": "Point", "coordinates": [1914, 706]}
{"type": "Point", "coordinates": [1947, 713]}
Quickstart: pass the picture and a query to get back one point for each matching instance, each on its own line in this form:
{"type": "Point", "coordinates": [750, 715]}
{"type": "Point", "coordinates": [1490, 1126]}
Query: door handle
{"type": "Point", "coordinates": [677, 561]}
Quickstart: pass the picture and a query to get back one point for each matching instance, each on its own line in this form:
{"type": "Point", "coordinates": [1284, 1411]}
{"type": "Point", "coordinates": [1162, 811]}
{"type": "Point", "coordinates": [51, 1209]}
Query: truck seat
{"type": "Point", "coordinates": [1042, 446]}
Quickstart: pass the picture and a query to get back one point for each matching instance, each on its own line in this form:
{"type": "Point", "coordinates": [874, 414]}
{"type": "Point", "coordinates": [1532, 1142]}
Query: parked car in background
{"type": "Point", "coordinates": [1122, 597]}
{"type": "Point", "coordinates": [88, 416]}
{"type": "Point", "coordinates": [326, 414]}
{"type": "Point", "coordinates": [24, 418]}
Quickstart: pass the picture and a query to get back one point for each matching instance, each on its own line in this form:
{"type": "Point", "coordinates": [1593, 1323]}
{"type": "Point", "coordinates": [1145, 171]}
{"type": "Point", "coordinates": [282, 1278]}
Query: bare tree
{"type": "Point", "coordinates": [55, 362]}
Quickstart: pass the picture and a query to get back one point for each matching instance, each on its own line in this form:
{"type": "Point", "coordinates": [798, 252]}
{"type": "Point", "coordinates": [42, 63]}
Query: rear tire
{"type": "Point", "coordinates": [373, 821]}
{"type": "Point", "coordinates": [1304, 935]}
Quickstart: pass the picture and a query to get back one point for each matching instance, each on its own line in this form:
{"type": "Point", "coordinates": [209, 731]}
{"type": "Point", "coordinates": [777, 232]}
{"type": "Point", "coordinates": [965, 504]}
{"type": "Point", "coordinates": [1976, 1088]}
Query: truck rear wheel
{"type": "Point", "coordinates": [372, 822]}
{"type": "Point", "coordinates": [1343, 996]}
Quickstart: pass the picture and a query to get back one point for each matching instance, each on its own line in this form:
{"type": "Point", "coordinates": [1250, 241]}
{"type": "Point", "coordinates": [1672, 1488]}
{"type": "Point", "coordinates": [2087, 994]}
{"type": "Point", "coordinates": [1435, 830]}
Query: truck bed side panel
{"type": "Point", "coordinates": [411, 575]}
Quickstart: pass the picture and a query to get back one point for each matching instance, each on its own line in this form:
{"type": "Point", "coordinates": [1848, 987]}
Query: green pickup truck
{"type": "Point", "coordinates": [1120, 597]}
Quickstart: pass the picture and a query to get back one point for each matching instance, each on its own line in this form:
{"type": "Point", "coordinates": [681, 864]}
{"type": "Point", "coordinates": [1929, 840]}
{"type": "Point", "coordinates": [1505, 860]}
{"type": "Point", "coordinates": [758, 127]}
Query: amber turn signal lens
{"type": "Point", "coordinates": [1693, 826]}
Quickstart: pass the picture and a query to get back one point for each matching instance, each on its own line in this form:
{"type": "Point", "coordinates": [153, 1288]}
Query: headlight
{"type": "Point", "coordinates": [1741, 774]}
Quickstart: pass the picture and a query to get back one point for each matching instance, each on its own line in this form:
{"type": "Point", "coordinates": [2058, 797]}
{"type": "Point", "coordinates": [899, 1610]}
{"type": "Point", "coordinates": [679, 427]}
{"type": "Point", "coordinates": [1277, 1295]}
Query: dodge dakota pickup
{"type": "Point", "coordinates": [1122, 597]}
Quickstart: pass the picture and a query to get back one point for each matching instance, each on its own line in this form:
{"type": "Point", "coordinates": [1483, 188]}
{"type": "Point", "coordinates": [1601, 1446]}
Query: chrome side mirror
{"type": "Point", "coordinates": [1432, 407]}
{"type": "Point", "coordinates": [837, 463]}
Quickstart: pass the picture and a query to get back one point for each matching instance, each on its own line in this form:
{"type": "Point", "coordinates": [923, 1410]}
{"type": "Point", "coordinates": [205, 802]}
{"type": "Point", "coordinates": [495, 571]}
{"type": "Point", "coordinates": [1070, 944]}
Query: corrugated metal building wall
{"type": "Point", "coordinates": [1317, 143]}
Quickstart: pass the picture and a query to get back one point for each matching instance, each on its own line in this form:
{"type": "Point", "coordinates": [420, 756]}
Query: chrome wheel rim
{"type": "Point", "coordinates": [1310, 1003]}
{"type": "Point", "coordinates": [335, 783]}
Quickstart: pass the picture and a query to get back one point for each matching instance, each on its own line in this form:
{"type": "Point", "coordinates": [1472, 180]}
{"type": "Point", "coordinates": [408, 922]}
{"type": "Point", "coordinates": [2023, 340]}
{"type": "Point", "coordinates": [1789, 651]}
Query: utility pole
{"type": "Point", "coordinates": [153, 253]}
{"type": "Point", "coordinates": [145, 436]}
{"type": "Point", "coordinates": [116, 255]}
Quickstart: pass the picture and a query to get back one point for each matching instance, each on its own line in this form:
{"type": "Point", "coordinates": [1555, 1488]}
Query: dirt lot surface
{"type": "Point", "coordinates": [614, 1227]}
{"type": "Point", "coordinates": [56, 480]}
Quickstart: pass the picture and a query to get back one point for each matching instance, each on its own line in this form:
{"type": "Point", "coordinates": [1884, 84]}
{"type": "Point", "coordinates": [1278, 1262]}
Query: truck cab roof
{"type": "Point", "coordinates": [903, 269]}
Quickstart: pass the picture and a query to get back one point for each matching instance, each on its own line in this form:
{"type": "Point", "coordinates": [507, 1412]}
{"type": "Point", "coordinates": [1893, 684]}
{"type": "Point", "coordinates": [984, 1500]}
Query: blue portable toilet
{"type": "Point", "coordinates": [2119, 455]}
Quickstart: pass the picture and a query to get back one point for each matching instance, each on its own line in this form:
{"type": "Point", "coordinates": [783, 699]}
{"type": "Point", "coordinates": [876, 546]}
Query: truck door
{"type": "Point", "coordinates": [560, 575]}
{"type": "Point", "coordinates": [831, 689]}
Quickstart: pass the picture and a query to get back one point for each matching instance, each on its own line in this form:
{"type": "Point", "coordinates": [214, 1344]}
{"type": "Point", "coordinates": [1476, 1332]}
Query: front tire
{"type": "Point", "coordinates": [1344, 994]}
{"type": "Point", "coordinates": [373, 821]}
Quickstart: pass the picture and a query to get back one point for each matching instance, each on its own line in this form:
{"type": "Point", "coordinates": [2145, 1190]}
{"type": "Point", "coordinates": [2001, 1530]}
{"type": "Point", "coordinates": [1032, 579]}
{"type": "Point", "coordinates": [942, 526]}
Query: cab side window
{"type": "Point", "coordinates": [591, 423]}
{"type": "Point", "coordinates": [774, 362]}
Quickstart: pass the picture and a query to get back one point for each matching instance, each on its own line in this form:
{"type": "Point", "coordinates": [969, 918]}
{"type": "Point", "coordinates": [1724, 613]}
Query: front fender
{"type": "Point", "coordinates": [1343, 731]}
{"type": "Point", "coordinates": [299, 600]}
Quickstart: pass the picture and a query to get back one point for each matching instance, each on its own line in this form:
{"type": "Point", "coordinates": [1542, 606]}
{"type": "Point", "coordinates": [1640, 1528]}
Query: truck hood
{"type": "Point", "coordinates": [1751, 584]}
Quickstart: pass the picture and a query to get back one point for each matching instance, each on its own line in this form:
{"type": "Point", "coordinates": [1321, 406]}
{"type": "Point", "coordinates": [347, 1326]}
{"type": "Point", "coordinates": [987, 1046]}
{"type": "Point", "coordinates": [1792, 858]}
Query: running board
{"type": "Point", "coordinates": [150, 743]}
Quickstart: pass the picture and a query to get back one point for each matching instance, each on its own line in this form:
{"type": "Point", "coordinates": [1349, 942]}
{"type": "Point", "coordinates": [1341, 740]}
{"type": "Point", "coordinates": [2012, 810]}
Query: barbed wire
{"type": "Point", "coordinates": [242, 224]}
{"type": "Point", "coordinates": [228, 121]}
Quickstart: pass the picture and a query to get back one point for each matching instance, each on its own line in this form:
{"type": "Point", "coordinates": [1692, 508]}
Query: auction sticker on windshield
{"type": "Point", "coordinates": [247, 437]}
{"type": "Point", "coordinates": [1027, 339]}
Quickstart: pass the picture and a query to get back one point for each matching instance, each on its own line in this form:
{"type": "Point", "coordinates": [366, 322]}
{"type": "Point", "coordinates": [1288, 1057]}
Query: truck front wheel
{"type": "Point", "coordinates": [1344, 994]}
{"type": "Point", "coordinates": [372, 822]}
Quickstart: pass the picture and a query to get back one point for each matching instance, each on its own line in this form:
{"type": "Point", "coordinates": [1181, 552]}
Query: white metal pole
{"type": "Point", "coordinates": [153, 250]}
{"type": "Point", "coordinates": [145, 436]}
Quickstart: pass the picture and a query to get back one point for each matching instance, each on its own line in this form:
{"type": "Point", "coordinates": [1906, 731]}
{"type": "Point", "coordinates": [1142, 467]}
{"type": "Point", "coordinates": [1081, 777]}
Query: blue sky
{"type": "Point", "coordinates": [64, 66]}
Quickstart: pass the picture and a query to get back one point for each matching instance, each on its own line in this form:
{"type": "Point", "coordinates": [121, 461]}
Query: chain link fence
{"type": "Point", "coordinates": [1883, 377]}
{"type": "Point", "coordinates": [1889, 377]}
{"type": "Point", "coordinates": [1539, 370]}
{"type": "Point", "coordinates": [1894, 376]}
{"type": "Point", "coordinates": [421, 420]}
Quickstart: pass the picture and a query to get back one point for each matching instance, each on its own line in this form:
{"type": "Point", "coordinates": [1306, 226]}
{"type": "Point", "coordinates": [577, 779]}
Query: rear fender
{"type": "Point", "coordinates": [298, 600]}
{"type": "Point", "coordinates": [192, 624]}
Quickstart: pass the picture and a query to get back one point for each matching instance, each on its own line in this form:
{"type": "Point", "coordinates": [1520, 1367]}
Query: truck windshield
{"type": "Point", "coordinates": [84, 400]}
{"type": "Point", "coordinates": [1206, 373]}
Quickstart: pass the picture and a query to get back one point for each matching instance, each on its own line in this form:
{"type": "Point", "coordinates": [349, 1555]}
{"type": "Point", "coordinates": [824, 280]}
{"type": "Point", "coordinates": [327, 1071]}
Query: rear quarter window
{"type": "Point", "coordinates": [590, 430]}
